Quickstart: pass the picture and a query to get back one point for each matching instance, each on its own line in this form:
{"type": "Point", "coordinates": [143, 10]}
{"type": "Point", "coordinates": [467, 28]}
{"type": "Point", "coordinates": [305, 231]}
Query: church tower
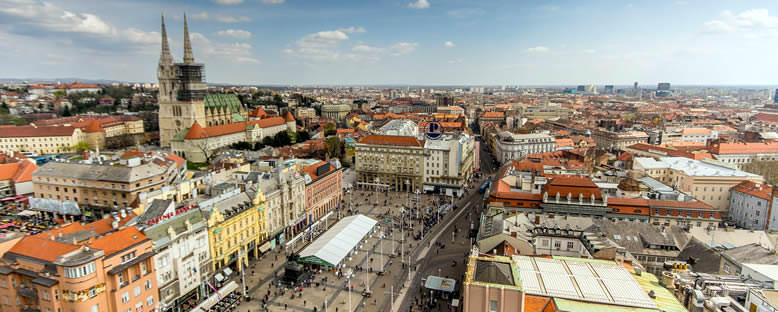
{"type": "Point", "coordinates": [182, 90]}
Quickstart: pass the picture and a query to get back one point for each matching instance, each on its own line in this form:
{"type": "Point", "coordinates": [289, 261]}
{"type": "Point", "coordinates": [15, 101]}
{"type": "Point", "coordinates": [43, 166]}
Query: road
{"type": "Point", "coordinates": [440, 261]}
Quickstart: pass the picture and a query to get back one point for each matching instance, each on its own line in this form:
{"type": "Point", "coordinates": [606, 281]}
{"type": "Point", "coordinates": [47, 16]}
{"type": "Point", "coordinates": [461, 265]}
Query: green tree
{"type": "Point", "coordinates": [60, 94]}
{"type": "Point", "coordinates": [4, 109]}
{"type": "Point", "coordinates": [282, 139]}
{"type": "Point", "coordinates": [766, 168]}
{"type": "Point", "coordinates": [81, 147]}
{"type": "Point", "coordinates": [66, 112]}
{"type": "Point", "coordinates": [334, 147]}
{"type": "Point", "coordinates": [330, 129]}
{"type": "Point", "coordinates": [303, 136]}
{"type": "Point", "coordinates": [267, 141]}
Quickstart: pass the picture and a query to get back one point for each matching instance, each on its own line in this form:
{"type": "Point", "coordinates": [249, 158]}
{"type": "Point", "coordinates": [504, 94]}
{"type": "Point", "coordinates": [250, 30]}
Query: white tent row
{"type": "Point", "coordinates": [335, 244]}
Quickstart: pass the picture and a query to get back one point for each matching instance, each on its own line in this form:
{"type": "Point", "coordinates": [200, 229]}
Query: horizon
{"type": "Point", "coordinates": [399, 42]}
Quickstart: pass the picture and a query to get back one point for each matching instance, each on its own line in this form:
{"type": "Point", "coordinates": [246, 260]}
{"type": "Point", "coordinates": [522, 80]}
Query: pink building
{"type": "Point", "coordinates": [323, 189]}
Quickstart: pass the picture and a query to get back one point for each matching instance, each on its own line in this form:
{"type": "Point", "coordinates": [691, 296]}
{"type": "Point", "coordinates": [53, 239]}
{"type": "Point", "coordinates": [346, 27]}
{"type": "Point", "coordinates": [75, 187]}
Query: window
{"type": "Point", "coordinates": [148, 284]}
{"type": "Point", "coordinates": [125, 297]}
{"type": "Point", "coordinates": [95, 308]}
{"type": "Point", "coordinates": [143, 268]}
{"type": "Point", "coordinates": [80, 271]}
{"type": "Point", "coordinates": [492, 305]}
{"type": "Point", "coordinates": [570, 245]}
{"type": "Point", "coordinates": [557, 244]}
{"type": "Point", "coordinates": [136, 291]}
{"type": "Point", "coordinates": [726, 268]}
{"type": "Point", "coordinates": [150, 301]}
{"type": "Point", "coordinates": [92, 292]}
{"type": "Point", "coordinates": [128, 257]}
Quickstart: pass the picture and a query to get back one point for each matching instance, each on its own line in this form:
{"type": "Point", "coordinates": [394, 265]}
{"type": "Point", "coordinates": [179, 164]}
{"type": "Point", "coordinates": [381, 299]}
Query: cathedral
{"type": "Point", "coordinates": [183, 95]}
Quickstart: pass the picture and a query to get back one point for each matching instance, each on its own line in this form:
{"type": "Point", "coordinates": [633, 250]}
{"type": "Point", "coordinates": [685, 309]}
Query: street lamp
{"type": "Point", "coordinates": [243, 269]}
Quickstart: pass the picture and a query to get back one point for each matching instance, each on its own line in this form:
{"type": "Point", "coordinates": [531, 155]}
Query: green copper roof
{"type": "Point", "coordinates": [229, 101]}
{"type": "Point", "coordinates": [237, 118]}
{"type": "Point", "coordinates": [180, 136]}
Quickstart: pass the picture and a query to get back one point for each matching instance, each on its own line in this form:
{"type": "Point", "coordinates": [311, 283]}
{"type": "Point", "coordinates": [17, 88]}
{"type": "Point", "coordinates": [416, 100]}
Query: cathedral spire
{"type": "Point", "coordinates": [188, 57]}
{"type": "Point", "coordinates": [165, 57]}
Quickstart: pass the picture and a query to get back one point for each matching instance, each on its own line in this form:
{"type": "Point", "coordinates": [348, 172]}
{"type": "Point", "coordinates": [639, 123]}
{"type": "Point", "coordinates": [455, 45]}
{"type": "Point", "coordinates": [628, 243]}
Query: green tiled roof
{"type": "Point", "coordinates": [180, 136]}
{"type": "Point", "coordinates": [237, 118]}
{"type": "Point", "coordinates": [229, 101]}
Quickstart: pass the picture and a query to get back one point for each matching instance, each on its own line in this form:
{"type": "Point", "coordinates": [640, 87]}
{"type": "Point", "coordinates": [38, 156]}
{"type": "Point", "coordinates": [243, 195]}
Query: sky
{"type": "Point", "coordinates": [405, 42]}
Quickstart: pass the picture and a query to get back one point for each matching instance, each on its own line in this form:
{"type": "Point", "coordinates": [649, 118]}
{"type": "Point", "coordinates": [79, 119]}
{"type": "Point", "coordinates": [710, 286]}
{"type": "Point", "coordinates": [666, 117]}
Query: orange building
{"type": "Point", "coordinates": [100, 266]}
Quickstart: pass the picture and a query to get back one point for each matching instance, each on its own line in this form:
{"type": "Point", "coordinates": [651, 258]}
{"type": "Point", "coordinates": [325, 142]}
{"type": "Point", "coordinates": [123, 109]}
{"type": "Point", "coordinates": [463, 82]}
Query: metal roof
{"type": "Point", "coordinates": [582, 280]}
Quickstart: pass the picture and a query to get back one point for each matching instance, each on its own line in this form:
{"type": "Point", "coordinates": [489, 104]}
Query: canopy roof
{"type": "Point", "coordinates": [330, 248]}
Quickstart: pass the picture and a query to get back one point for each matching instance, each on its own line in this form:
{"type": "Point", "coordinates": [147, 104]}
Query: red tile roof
{"type": "Point", "coordinates": [748, 187]}
{"type": "Point", "coordinates": [493, 115]}
{"type": "Point", "coordinates": [391, 140]}
{"type": "Point", "coordinates": [119, 240]}
{"type": "Point", "coordinates": [268, 122]}
{"type": "Point", "coordinates": [765, 117]}
{"type": "Point", "coordinates": [94, 126]}
{"type": "Point", "coordinates": [30, 131]}
{"type": "Point", "coordinates": [17, 172]}
{"type": "Point", "coordinates": [289, 116]}
{"type": "Point", "coordinates": [41, 248]}
{"type": "Point", "coordinates": [195, 132]}
{"type": "Point", "coordinates": [179, 161]}
{"type": "Point", "coordinates": [311, 170]}
{"type": "Point", "coordinates": [745, 148]}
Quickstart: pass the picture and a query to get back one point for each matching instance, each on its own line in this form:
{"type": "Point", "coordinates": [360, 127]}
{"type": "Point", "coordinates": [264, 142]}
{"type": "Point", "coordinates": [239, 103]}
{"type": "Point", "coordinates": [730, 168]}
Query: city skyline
{"type": "Point", "coordinates": [399, 42]}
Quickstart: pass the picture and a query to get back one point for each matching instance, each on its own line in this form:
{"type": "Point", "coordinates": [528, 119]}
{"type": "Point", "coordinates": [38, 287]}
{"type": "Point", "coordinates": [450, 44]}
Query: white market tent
{"type": "Point", "coordinates": [333, 246]}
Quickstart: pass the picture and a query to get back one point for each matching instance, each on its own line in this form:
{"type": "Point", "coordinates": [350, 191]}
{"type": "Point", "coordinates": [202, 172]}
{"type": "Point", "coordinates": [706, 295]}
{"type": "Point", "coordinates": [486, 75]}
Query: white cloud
{"type": "Point", "coordinates": [323, 45]}
{"type": "Point", "coordinates": [352, 29]}
{"type": "Point", "coordinates": [366, 48]}
{"type": "Point", "coordinates": [235, 33]}
{"type": "Point", "coordinates": [419, 4]}
{"type": "Point", "coordinates": [234, 52]}
{"type": "Point", "coordinates": [448, 44]}
{"type": "Point", "coordinates": [402, 48]}
{"type": "Point", "coordinates": [222, 18]}
{"type": "Point", "coordinates": [37, 18]}
{"type": "Point", "coordinates": [538, 49]}
{"type": "Point", "coordinates": [228, 2]}
{"type": "Point", "coordinates": [273, 1]}
{"type": "Point", "coordinates": [749, 23]}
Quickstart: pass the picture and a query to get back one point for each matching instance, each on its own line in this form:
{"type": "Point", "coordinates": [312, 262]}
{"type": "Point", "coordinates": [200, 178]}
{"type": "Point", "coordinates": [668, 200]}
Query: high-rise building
{"type": "Point", "coordinates": [581, 88]}
{"type": "Point", "coordinates": [663, 86]}
{"type": "Point", "coordinates": [183, 94]}
{"type": "Point", "coordinates": [635, 87]}
{"type": "Point", "coordinates": [608, 89]}
{"type": "Point", "coordinates": [775, 98]}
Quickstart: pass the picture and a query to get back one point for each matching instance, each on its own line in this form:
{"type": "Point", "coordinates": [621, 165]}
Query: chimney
{"type": "Point", "coordinates": [537, 219]}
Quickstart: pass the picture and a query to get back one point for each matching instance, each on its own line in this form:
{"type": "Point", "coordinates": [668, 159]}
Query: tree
{"type": "Point", "coordinates": [60, 94]}
{"type": "Point", "coordinates": [282, 139]}
{"type": "Point", "coordinates": [334, 147]}
{"type": "Point", "coordinates": [330, 129]}
{"type": "Point", "coordinates": [203, 146]}
{"type": "Point", "coordinates": [303, 136]}
{"type": "Point", "coordinates": [766, 168]}
{"type": "Point", "coordinates": [267, 141]}
{"type": "Point", "coordinates": [241, 146]}
{"type": "Point", "coordinates": [81, 147]}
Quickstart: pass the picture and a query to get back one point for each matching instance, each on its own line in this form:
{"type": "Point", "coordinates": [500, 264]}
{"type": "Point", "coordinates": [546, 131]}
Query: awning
{"type": "Point", "coordinates": [219, 277]}
{"type": "Point", "coordinates": [333, 246]}
{"type": "Point", "coordinates": [429, 188]}
{"type": "Point", "coordinates": [27, 213]}
{"type": "Point", "coordinates": [215, 298]}
{"type": "Point", "coordinates": [440, 283]}
{"type": "Point", "coordinates": [264, 247]}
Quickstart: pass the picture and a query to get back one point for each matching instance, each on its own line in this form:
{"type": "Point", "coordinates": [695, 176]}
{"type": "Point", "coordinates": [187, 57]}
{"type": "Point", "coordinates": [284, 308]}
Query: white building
{"type": "Point", "coordinates": [284, 192]}
{"type": "Point", "coordinates": [448, 164]}
{"type": "Point", "coordinates": [509, 146]}
{"type": "Point", "coordinates": [701, 135]}
{"type": "Point", "coordinates": [182, 259]}
{"type": "Point", "coordinates": [749, 206]}
{"type": "Point", "coordinates": [400, 127]}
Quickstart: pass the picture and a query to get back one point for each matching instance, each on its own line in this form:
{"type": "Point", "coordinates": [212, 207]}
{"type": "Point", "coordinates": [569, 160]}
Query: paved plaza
{"type": "Point", "coordinates": [373, 255]}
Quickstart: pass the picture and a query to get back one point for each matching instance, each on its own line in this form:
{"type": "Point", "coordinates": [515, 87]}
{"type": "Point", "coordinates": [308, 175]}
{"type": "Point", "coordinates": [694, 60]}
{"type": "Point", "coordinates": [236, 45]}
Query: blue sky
{"type": "Point", "coordinates": [399, 41]}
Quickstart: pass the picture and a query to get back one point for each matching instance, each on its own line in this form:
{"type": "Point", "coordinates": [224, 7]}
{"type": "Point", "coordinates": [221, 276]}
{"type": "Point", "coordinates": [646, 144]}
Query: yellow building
{"type": "Point", "coordinates": [42, 140]}
{"type": "Point", "coordinates": [236, 227]}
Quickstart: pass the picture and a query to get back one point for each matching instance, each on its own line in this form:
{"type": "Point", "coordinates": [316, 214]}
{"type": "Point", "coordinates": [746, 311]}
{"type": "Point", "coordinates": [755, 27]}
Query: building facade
{"type": "Point", "coordinates": [448, 164]}
{"type": "Point", "coordinates": [235, 227]}
{"type": "Point", "coordinates": [182, 256]}
{"type": "Point", "coordinates": [323, 189]}
{"type": "Point", "coordinates": [393, 162]}
{"type": "Point", "coordinates": [105, 185]}
{"type": "Point", "coordinates": [750, 206]}
{"type": "Point", "coordinates": [285, 210]}
{"type": "Point", "coordinates": [509, 146]}
{"type": "Point", "coordinates": [41, 140]}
